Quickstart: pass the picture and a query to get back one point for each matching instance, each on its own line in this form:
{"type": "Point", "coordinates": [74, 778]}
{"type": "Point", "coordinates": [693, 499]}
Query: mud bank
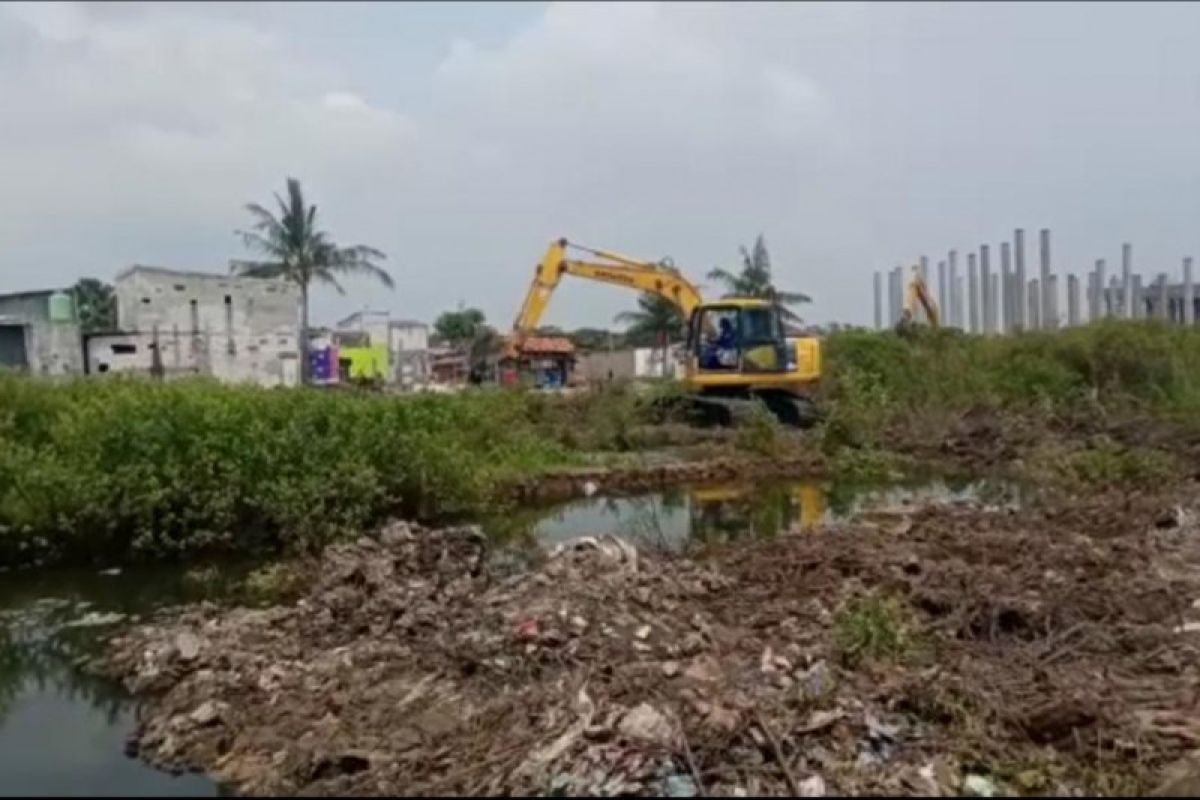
{"type": "Point", "coordinates": [949, 649]}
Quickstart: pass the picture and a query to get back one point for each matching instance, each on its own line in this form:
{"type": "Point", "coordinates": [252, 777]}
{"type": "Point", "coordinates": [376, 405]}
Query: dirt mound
{"type": "Point", "coordinates": [953, 649]}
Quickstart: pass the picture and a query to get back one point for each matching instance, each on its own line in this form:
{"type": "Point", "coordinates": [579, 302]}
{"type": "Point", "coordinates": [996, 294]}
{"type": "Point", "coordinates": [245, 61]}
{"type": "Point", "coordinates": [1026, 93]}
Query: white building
{"type": "Point", "coordinates": [196, 323]}
{"type": "Point", "coordinates": [407, 342]}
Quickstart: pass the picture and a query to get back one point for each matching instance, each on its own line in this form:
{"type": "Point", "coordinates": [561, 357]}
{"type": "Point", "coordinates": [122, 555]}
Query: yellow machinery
{"type": "Point", "coordinates": [736, 347]}
{"type": "Point", "coordinates": [916, 296]}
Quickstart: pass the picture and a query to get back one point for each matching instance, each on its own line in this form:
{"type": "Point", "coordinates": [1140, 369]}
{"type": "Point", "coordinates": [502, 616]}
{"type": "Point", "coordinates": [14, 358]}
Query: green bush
{"type": "Point", "coordinates": [873, 628]}
{"type": "Point", "coordinates": [142, 468]}
{"type": "Point", "coordinates": [759, 432]}
{"type": "Point", "coordinates": [873, 376]}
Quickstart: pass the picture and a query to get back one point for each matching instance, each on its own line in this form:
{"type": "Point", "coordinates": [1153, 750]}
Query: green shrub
{"type": "Point", "coordinates": [875, 376]}
{"type": "Point", "coordinates": [872, 628]}
{"type": "Point", "coordinates": [142, 468]}
{"type": "Point", "coordinates": [759, 432]}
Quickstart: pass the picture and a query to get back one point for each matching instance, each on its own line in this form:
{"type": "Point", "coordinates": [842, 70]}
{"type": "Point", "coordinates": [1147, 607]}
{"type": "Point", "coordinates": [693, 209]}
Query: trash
{"type": "Point", "coordinates": [187, 645]}
{"type": "Point", "coordinates": [679, 786]}
{"type": "Point", "coordinates": [207, 712]}
{"type": "Point", "coordinates": [589, 488]}
{"type": "Point", "coordinates": [703, 669]}
{"type": "Point", "coordinates": [979, 786]}
{"type": "Point", "coordinates": [526, 629]}
{"type": "Point", "coordinates": [670, 669]}
{"type": "Point", "coordinates": [820, 720]}
{"type": "Point", "coordinates": [812, 786]}
{"type": "Point", "coordinates": [642, 633]}
{"type": "Point", "coordinates": [94, 619]}
{"type": "Point", "coordinates": [815, 681]}
{"type": "Point", "coordinates": [110, 571]}
{"type": "Point", "coordinates": [1191, 626]}
{"type": "Point", "coordinates": [647, 724]}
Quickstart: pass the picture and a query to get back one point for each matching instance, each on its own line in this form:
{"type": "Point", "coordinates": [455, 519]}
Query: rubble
{"type": "Point", "coordinates": [411, 666]}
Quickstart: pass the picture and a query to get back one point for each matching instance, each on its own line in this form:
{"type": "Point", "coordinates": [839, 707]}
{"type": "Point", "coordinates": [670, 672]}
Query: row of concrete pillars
{"type": "Point", "coordinates": [1004, 300]}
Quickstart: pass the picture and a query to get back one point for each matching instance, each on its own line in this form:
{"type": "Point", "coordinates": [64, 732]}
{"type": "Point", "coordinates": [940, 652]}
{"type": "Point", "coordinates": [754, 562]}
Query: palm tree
{"type": "Point", "coordinates": [294, 249]}
{"type": "Point", "coordinates": [754, 280]}
{"type": "Point", "coordinates": [657, 320]}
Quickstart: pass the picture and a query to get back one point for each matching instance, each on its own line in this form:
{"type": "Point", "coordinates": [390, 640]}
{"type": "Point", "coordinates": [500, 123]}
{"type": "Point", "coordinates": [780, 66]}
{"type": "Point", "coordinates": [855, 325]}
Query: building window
{"type": "Point", "coordinates": [146, 300]}
{"type": "Point", "coordinates": [179, 287]}
{"type": "Point", "coordinates": [124, 349]}
{"type": "Point", "coordinates": [228, 300]}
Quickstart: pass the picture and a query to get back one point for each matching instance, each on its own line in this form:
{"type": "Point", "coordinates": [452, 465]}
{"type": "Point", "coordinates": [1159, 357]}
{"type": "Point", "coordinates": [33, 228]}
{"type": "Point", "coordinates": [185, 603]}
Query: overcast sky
{"type": "Point", "coordinates": [461, 138]}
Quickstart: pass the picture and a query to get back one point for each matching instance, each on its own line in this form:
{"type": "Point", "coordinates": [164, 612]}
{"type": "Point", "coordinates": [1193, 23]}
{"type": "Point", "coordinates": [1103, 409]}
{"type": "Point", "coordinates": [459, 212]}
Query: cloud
{"type": "Point", "coordinates": [852, 135]}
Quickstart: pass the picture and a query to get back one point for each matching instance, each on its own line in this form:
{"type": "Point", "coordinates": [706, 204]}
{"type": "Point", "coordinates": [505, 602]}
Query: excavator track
{"type": "Point", "coordinates": [721, 411]}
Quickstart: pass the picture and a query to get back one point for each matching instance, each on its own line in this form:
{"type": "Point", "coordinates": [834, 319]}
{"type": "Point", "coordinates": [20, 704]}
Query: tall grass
{"type": "Point", "coordinates": [134, 468]}
{"type": "Point", "coordinates": [1109, 364]}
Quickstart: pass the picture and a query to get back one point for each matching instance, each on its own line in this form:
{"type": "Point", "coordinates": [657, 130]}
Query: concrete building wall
{"type": "Point", "coordinates": [48, 347]}
{"type": "Point", "coordinates": [235, 329]}
{"type": "Point", "coordinates": [596, 365]}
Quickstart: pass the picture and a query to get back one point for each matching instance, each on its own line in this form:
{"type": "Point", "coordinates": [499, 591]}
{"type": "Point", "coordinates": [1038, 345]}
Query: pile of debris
{"type": "Point", "coordinates": [1038, 653]}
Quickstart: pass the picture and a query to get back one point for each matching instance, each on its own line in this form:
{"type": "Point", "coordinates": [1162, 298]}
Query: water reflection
{"type": "Point", "coordinates": [63, 731]}
{"type": "Point", "coordinates": [704, 515]}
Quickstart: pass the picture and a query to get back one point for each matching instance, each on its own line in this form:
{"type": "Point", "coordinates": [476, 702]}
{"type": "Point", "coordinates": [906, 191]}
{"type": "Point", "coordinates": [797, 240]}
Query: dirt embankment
{"type": "Point", "coordinates": [953, 649]}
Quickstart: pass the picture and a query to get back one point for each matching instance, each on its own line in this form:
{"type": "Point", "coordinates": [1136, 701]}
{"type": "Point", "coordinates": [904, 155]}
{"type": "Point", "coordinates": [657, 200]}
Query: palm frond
{"type": "Point", "coordinates": [258, 269]}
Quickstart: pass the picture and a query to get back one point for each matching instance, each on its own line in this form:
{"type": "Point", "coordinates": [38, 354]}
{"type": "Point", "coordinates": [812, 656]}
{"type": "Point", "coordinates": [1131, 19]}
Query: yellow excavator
{"type": "Point", "coordinates": [736, 348]}
{"type": "Point", "coordinates": [917, 296]}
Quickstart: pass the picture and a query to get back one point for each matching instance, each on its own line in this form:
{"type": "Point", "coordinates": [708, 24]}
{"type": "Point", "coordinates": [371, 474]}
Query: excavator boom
{"type": "Point", "coordinates": [918, 295]}
{"type": "Point", "coordinates": [607, 267]}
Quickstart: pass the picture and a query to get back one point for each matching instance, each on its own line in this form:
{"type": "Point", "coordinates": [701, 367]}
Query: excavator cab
{"type": "Point", "coordinates": [737, 336]}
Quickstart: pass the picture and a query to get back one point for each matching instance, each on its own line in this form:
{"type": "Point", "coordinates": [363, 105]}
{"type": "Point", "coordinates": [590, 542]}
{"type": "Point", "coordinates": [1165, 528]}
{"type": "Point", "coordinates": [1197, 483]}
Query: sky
{"type": "Point", "coordinates": [461, 138]}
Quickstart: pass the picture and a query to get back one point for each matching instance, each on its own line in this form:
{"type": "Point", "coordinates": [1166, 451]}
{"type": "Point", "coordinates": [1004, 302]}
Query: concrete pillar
{"type": "Point", "coordinates": [972, 294]}
{"type": "Point", "coordinates": [958, 302]}
{"type": "Point", "coordinates": [955, 289]}
{"type": "Point", "coordinates": [1127, 281]}
{"type": "Point", "coordinates": [993, 294]}
{"type": "Point", "coordinates": [985, 290]}
{"type": "Point", "coordinates": [1047, 310]}
{"type": "Point", "coordinates": [1020, 304]}
{"type": "Point", "coordinates": [900, 287]}
{"type": "Point", "coordinates": [878, 291]}
{"type": "Point", "coordinates": [1010, 316]}
{"type": "Point", "coordinates": [925, 269]}
{"type": "Point", "coordinates": [1035, 306]}
{"type": "Point", "coordinates": [1092, 293]}
{"type": "Point", "coordinates": [1161, 307]}
{"type": "Point", "coordinates": [1102, 282]}
{"type": "Point", "coordinates": [1072, 300]}
{"type": "Point", "coordinates": [1189, 292]}
{"type": "Point", "coordinates": [1139, 298]}
{"type": "Point", "coordinates": [1055, 322]}
{"type": "Point", "coordinates": [893, 312]}
{"type": "Point", "coordinates": [941, 297]}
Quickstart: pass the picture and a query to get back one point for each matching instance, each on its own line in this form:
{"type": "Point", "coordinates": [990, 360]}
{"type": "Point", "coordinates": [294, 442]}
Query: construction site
{"type": "Point", "coordinates": [515, 504]}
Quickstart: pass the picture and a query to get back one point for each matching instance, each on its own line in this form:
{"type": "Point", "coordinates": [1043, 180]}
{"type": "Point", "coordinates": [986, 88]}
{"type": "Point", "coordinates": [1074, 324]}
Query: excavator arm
{"type": "Point", "coordinates": [608, 267]}
{"type": "Point", "coordinates": [918, 295]}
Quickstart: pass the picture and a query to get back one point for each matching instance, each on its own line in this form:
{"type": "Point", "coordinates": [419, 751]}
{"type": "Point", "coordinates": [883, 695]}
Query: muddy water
{"type": "Point", "coordinates": [693, 516]}
{"type": "Point", "coordinates": [62, 732]}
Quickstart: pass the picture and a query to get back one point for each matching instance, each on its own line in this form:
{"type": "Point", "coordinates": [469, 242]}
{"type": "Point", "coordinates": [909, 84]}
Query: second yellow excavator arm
{"type": "Point", "coordinates": [643, 276]}
{"type": "Point", "coordinates": [918, 294]}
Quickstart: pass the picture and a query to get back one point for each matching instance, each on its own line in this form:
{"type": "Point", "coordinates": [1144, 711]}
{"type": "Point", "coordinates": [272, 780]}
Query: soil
{"type": "Point", "coordinates": [1047, 650]}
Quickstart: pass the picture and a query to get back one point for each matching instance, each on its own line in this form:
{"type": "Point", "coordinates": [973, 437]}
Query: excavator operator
{"type": "Point", "coordinates": [722, 351]}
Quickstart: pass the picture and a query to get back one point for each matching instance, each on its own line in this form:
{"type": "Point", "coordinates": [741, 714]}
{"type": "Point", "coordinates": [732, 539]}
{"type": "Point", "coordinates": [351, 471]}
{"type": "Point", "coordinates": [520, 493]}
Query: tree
{"type": "Point", "coordinates": [755, 280]}
{"type": "Point", "coordinates": [96, 304]}
{"type": "Point", "coordinates": [656, 322]}
{"type": "Point", "coordinates": [294, 249]}
{"type": "Point", "coordinates": [459, 327]}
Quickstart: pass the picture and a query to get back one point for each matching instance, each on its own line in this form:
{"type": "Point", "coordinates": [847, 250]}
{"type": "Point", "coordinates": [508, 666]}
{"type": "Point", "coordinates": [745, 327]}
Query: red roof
{"type": "Point", "coordinates": [543, 345]}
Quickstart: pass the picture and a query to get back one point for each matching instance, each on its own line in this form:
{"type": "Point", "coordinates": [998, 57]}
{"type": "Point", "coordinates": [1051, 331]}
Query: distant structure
{"type": "Point", "coordinates": [1006, 302]}
{"type": "Point", "coordinates": [174, 323]}
{"type": "Point", "coordinates": [39, 333]}
{"type": "Point", "coordinates": [401, 346]}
